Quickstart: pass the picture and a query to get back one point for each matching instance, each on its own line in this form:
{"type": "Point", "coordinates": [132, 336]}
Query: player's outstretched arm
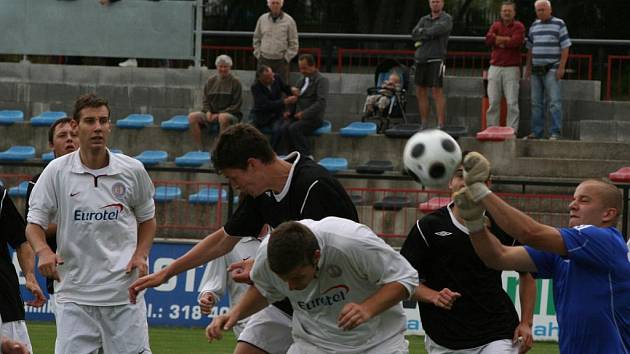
{"type": "Point", "coordinates": [444, 298]}
{"type": "Point", "coordinates": [213, 246]}
{"type": "Point", "coordinates": [251, 302]}
{"type": "Point", "coordinates": [527, 295]}
{"type": "Point", "coordinates": [353, 315]}
{"type": "Point", "coordinates": [26, 258]}
{"type": "Point", "coordinates": [48, 260]}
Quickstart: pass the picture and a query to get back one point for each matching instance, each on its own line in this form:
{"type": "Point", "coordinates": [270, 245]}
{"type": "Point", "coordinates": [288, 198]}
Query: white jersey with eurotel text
{"type": "Point", "coordinates": [354, 264]}
{"type": "Point", "coordinates": [97, 215]}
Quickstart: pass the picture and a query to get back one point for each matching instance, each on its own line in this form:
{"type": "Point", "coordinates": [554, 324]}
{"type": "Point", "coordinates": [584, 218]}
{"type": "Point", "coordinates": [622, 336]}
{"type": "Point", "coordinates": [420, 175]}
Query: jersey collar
{"type": "Point", "coordinates": [285, 190]}
{"type": "Point", "coordinates": [112, 168]}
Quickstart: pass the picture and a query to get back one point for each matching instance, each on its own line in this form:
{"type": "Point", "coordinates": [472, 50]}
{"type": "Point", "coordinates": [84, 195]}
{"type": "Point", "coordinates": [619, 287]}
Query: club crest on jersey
{"type": "Point", "coordinates": [330, 296]}
{"type": "Point", "coordinates": [334, 271]}
{"type": "Point", "coordinates": [106, 213]}
{"type": "Point", "coordinates": [443, 233]}
{"type": "Point", "coordinates": [118, 190]}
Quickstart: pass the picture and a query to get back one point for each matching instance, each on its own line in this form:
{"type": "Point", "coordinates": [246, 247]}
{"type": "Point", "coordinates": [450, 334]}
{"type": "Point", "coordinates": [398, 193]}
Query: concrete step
{"type": "Point", "coordinates": [563, 168]}
{"type": "Point", "coordinates": [605, 130]}
{"type": "Point", "coordinates": [596, 150]}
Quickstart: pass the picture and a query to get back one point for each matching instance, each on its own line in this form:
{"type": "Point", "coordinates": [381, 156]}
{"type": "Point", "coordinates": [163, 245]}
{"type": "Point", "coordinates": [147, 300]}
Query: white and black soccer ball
{"type": "Point", "coordinates": [431, 157]}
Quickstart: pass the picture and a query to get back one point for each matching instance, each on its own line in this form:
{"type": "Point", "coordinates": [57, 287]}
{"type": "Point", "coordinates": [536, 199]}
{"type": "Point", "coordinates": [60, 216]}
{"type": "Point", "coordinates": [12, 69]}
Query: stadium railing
{"type": "Point", "coordinates": [617, 83]}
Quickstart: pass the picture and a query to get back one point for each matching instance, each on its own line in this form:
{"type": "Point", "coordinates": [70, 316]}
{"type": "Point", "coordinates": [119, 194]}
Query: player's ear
{"type": "Point", "coordinates": [610, 214]}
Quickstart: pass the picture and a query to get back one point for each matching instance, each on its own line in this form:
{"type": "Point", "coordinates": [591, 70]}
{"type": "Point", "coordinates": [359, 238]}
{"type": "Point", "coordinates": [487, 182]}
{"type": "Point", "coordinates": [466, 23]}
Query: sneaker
{"type": "Point", "coordinates": [531, 137]}
{"type": "Point", "coordinates": [129, 63]}
{"type": "Point", "coordinates": [554, 137]}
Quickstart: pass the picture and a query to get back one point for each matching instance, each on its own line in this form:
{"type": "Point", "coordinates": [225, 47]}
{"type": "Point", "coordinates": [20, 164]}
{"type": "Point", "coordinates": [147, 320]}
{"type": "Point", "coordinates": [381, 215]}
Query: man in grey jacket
{"type": "Point", "coordinates": [431, 37]}
{"type": "Point", "coordinates": [312, 92]}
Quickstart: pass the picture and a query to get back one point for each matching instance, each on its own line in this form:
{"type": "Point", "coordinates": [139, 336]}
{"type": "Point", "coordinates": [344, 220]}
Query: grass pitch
{"type": "Point", "coordinates": [172, 340]}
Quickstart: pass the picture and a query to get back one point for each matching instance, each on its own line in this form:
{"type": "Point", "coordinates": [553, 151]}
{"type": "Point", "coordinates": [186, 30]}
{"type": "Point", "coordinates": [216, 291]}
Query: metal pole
{"type": "Point", "coordinates": [198, 32]}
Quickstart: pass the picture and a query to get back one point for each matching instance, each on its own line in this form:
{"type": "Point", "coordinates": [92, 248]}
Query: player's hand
{"type": "Point", "coordinates": [352, 315]}
{"type": "Point", "coordinates": [33, 287]}
{"type": "Point", "coordinates": [295, 91]}
{"type": "Point", "coordinates": [8, 346]}
{"type": "Point", "coordinates": [560, 73]}
{"type": "Point", "coordinates": [445, 298]}
{"type": "Point", "coordinates": [47, 264]}
{"type": "Point", "coordinates": [138, 262]}
{"type": "Point", "coordinates": [299, 115]}
{"type": "Point", "coordinates": [471, 212]}
{"type": "Point", "coordinates": [476, 173]}
{"type": "Point", "coordinates": [528, 73]}
{"type": "Point", "coordinates": [523, 335]}
{"type": "Point", "coordinates": [147, 281]}
{"type": "Point", "coordinates": [206, 302]}
{"type": "Point", "coordinates": [239, 271]}
{"type": "Point", "coordinates": [218, 325]}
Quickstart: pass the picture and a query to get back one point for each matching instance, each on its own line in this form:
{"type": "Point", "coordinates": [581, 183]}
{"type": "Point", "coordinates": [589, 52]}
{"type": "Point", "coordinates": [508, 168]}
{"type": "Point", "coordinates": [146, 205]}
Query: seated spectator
{"type": "Point", "coordinates": [221, 101]}
{"type": "Point", "coordinates": [312, 92]}
{"type": "Point", "coordinates": [271, 98]}
{"type": "Point", "coordinates": [383, 97]}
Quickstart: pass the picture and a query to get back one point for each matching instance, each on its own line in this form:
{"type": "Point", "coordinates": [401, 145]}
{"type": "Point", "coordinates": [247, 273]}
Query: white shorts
{"type": "Point", "coordinates": [120, 329]}
{"type": "Point", "coordinates": [502, 346]}
{"type": "Point", "coordinates": [394, 345]}
{"type": "Point", "coordinates": [268, 330]}
{"type": "Point", "coordinates": [16, 330]}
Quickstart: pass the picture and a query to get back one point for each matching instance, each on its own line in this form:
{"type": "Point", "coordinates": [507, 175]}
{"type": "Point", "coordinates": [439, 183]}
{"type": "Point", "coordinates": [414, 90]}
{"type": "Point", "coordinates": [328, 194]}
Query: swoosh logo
{"type": "Point", "coordinates": [345, 287]}
{"type": "Point", "coordinates": [117, 205]}
{"type": "Point", "coordinates": [73, 194]}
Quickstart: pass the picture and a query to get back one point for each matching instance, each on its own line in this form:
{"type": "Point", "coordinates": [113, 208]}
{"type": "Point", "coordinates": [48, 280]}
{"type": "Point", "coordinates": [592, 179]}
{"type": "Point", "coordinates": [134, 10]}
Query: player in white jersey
{"type": "Point", "coordinates": [344, 282]}
{"type": "Point", "coordinates": [105, 227]}
{"type": "Point", "coordinates": [216, 280]}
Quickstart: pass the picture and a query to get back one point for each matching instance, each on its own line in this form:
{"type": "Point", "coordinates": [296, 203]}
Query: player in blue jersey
{"type": "Point", "coordinates": [588, 261]}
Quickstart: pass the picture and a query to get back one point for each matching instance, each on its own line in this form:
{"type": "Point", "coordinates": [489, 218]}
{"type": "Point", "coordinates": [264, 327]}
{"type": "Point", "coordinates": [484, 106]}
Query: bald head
{"type": "Point", "coordinates": [611, 196]}
{"type": "Point", "coordinates": [595, 202]}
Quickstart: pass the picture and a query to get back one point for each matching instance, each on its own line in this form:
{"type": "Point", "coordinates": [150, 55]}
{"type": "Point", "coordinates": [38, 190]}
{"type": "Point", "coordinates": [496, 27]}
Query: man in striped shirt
{"type": "Point", "coordinates": [548, 50]}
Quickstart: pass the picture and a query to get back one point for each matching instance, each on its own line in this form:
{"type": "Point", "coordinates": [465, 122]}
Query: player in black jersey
{"type": "Point", "coordinates": [278, 190]}
{"type": "Point", "coordinates": [462, 304]}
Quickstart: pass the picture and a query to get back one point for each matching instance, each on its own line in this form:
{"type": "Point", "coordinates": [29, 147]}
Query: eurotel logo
{"type": "Point", "coordinates": [330, 296]}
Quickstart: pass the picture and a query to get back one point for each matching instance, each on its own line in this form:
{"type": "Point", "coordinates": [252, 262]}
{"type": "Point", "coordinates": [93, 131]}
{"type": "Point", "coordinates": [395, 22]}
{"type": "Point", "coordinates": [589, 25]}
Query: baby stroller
{"type": "Point", "coordinates": [398, 98]}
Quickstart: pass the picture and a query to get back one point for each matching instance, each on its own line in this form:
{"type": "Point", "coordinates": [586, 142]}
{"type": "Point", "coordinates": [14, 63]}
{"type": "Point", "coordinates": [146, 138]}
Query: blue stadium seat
{"type": "Point", "coordinates": [358, 129]}
{"type": "Point", "coordinates": [193, 159]}
{"type": "Point", "coordinates": [375, 167]}
{"type": "Point", "coordinates": [10, 117]}
{"type": "Point", "coordinates": [209, 196]}
{"type": "Point", "coordinates": [326, 128]}
{"type": "Point", "coordinates": [19, 191]}
{"type": "Point", "coordinates": [393, 203]}
{"type": "Point", "coordinates": [403, 130]}
{"type": "Point", "coordinates": [152, 157]}
{"type": "Point", "coordinates": [334, 164]}
{"type": "Point", "coordinates": [135, 121]}
{"type": "Point", "coordinates": [179, 123]}
{"type": "Point", "coordinates": [48, 156]}
{"type": "Point", "coordinates": [167, 193]}
{"type": "Point", "coordinates": [46, 119]}
{"type": "Point", "coordinates": [18, 153]}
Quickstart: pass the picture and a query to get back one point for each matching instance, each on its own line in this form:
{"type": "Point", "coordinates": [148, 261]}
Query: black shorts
{"type": "Point", "coordinates": [429, 74]}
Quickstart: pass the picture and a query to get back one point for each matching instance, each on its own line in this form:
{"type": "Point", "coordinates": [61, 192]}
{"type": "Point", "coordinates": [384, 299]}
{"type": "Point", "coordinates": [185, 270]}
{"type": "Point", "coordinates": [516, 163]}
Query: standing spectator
{"type": "Point", "coordinates": [548, 51]}
{"type": "Point", "coordinates": [104, 210]}
{"type": "Point", "coordinates": [505, 37]}
{"type": "Point", "coordinates": [312, 91]}
{"type": "Point", "coordinates": [222, 99]}
{"type": "Point", "coordinates": [431, 38]}
{"type": "Point", "coordinates": [462, 303]}
{"type": "Point", "coordinates": [271, 100]}
{"type": "Point", "coordinates": [12, 226]}
{"type": "Point", "coordinates": [276, 39]}
{"type": "Point", "coordinates": [62, 138]}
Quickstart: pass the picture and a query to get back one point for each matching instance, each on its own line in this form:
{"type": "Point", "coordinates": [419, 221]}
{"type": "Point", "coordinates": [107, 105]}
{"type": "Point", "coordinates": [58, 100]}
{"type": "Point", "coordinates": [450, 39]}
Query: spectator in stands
{"type": "Point", "coordinates": [222, 99]}
{"type": "Point", "coordinates": [272, 98]}
{"type": "Point", "coordinates": [12, 227]}
{"type": "Point", "coordinates": [382, 99]}
{"type": "Point", "coordinates": [345, 283]}
{"type": "Point", "coordinates": [62, 139]}
{"type": "Point", "coordinates": [548, 45]}
{"type": "Point", "coordinates": [588, 261]}
{"type": "Point", "coordinates": [431, 38]}
{"type": "Point", "coordinates": [278, 190]}
{"type": "Point", "coordinates": [276, 39]}
{"type": "Point", "coordinates": [104, 210]}
{"type": "Point", "coordinates": [505, 37]}
{"type": "Point", "coordinates": [462, 302]}
{"type": "Point", "coordinates": [312, 92]}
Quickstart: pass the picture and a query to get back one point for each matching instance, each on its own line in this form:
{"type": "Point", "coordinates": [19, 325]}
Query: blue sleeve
{"type": "Point", "coordinates": [594, 246]}
{"type": "Point", "coordinates": [545, 262]}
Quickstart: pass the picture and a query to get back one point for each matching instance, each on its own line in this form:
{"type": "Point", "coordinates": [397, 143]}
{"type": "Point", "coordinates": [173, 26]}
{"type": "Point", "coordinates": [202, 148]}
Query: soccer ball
{"type": "Point", "coordinates": [431, 157]}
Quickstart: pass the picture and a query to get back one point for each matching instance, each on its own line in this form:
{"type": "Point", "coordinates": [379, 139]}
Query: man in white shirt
{"type": "Point", "coordinates": [345, 284]}
{"type": "Point", "coordinates": [105, 227]}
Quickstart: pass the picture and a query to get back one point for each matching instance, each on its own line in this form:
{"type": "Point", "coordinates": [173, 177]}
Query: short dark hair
{"type": "Point", "coordinates": [308, 58]}
{"type": "Point", "coordinates": [58, 122]}
{"type": "Point", "coordinates": [291, 245]}
{"type": "Point", "coordinates": [261, 70]}
{"type": "Point", "coordinates": [237, 144]}
{"type": "Point", "coordinates": [90, 100]}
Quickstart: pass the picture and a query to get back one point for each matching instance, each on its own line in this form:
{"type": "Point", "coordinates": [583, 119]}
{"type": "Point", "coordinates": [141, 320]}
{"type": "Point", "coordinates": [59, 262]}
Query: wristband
{"type": "Point", "coordinates": [478, 191]}
{"type": "Point", "coordinates": [476, 225]}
